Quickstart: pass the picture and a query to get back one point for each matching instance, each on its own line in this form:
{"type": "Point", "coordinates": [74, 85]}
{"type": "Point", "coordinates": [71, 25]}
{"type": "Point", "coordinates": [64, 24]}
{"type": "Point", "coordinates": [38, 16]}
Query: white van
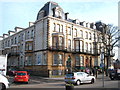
{"type": "Point", "coordinates": [4, 84]}
{"type": "Point", "coordinates": [3, 64]}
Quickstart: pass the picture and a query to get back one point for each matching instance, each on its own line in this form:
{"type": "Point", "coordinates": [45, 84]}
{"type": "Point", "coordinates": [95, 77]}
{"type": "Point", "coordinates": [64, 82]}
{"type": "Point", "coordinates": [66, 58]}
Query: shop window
{"type": "Point", "coordinates": [57, 59]}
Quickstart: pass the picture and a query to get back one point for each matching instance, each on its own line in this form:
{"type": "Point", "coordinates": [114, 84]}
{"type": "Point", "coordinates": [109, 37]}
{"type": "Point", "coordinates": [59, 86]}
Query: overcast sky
{"type": "Point", "coordinates": [18, 13]}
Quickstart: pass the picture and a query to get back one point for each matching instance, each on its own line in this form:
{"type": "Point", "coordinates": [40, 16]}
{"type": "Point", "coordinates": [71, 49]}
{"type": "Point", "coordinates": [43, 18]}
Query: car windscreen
{"type": "Point", "coordinates": [71, 74]}
{"type": "Point", "coordinates": [21, 74]}
{"type": "Point", "coordinates": [12, 69]}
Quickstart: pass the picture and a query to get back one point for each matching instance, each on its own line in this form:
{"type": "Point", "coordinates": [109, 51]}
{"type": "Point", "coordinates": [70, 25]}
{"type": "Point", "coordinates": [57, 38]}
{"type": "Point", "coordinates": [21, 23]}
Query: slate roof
{"type": "Point", "coordinates": [48, 8]}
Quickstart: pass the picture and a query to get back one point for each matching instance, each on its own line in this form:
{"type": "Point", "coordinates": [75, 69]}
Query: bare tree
{"type": "Point", "coordinates": [113, 38]}
{"type": "Point", "coordinates": [109, 39]}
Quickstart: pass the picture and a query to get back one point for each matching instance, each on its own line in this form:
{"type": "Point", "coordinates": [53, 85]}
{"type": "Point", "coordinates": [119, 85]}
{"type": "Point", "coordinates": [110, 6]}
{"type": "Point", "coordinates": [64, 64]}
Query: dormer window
{"type": "Point", "coordinates": [58, 12]}
{"type": "Point", "coordinates": [76, 21]}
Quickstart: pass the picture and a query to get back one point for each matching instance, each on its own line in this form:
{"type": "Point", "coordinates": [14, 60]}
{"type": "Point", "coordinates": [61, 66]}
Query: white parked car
{"type": "Point", "coordinates": [79, 77]}
{"type": "Point", "coordinates": [4, 84]}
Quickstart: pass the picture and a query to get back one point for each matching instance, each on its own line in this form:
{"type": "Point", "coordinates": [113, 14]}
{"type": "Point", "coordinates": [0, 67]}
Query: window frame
{"type": "Point", "coordinates": [90, 36]}
{"type": "Point", "coordinates": [75, 32]}
{"type": "Point", "coordinates": [57, 60]}
{"type": "Point", "coordinates": [81, 33]}
{"type": "Point", "coordinates": [69, 44]}
{"type": "Point", "coordinates": [86, 35]}
{"type": "Point", "coordinates": [69, 30]}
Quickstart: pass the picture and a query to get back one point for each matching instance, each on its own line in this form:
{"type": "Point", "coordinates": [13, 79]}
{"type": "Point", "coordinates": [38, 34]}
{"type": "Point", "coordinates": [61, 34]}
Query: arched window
{"type": "Point", "coordinates": [81, 46]}
{"type": "Point", "coordinates": [58, 28]}
{"type": "Point", "coordinates": [28, 36]}
{"type": "Point", "coordinates": [90, 36]}
{"type": "Point", "coordinates": [61, 43]}
{"type": "Point", "coordinates": [61, 29]}
{"type": "Point", "coordinates": [77, 61]}
{"type": "Point", "coordinates": [69, 44]}
{"type": "Point", "coordinates": [86, 35]}
{"type": "Point", "coordinates": [77, 47]}
{"type": "Point", "coordinates": [32, 34]}
{"type": "Point", "coordinates": [54, 26]}
{"type": "Point", "coordinates": [81, 33]}
{"type": "Point", "coordinates": [69, 31]}
{"type": "Point", "coordinates": [75, 33]}
{"type": "Point", "coordinates": [15, 40]}
{"type": "Point", "coordinates": [90, 47]}
{"type": "Point", "coordinates": [86, 47]}
{"type": "Point", "coordinates": [55, 42]}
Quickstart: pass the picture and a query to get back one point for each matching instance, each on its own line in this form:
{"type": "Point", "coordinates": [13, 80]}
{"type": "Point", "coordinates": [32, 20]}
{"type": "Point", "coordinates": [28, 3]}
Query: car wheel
{"type": "Point", "coordinates": [78, 82]}
{"type": "Point", "coordinates": [2, 86]}
{"type": "Point", "coordinates": [92, 81]}
{"type": "Point", "coordinates": [26, 82]}
{"type": "Point", "coordinates": [112, 78]}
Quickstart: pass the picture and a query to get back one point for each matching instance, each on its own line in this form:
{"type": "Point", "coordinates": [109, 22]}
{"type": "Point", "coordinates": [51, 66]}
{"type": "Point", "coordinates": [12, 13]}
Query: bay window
{"type": "Point", "coordinates": [55, 42]}
{"type": "Point", "coordinates": [60, 41]}
{"type": "Point", "coordinates": [29, 46]}
{"type": "Point", "coordinates": [69, 44]}
{"type": "Point", "coordinates": [86, 47]}
{"type": "Point", "coordinates": [77, 46]}
{"type": "Point", "coordinates": [81, 46]}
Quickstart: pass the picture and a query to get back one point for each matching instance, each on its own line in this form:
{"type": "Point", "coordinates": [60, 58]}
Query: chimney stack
{"type": "Point", "coordinates": [66, 16]}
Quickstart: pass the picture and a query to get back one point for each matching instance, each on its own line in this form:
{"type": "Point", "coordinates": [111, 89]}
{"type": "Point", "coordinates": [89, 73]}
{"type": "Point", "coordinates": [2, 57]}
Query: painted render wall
{"type": "Point", "coordinates": [41, 34]}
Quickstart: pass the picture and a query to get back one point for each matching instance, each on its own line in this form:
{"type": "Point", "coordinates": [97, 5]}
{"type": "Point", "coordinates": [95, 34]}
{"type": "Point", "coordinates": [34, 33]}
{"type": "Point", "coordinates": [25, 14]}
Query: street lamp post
{"type": "Point", "coordinates": [103, 52]}
{"type": "Point", "coordinates": [102, 63]}
{"type": "Point", "coordinates": [69, 65]}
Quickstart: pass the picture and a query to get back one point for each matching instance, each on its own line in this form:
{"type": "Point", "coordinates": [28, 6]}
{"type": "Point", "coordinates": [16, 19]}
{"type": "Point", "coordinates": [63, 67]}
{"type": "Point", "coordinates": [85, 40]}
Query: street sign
{"type": "Point", "coordinates": [102, 56]}
{"type": "Point", "coordinates": [102, 65]}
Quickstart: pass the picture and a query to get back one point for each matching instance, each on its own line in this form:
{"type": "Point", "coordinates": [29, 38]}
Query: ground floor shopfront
{"type": "Point", "coordinates": [54, 63]}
